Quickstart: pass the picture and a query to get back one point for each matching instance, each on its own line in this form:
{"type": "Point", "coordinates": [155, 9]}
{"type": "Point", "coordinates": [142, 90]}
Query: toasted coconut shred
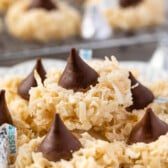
{"type": "Point", "coordinates": [100, 154]}
{"type": "Point", "coordinates": [97, 116]}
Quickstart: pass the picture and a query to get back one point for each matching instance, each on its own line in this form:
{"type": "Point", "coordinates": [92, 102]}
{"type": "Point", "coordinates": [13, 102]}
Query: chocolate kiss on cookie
{"type": "Point", "coordinates": [77, 74]}
{"type": "Point", "coordinates": [128, 3]}
{"type": "Point", "coordinates": [149, 129]}
{"type": "Point", "coordinates": [59, 143]}
{"type": "Point", "coordinates": [29, 81]}
{"type": "Point", "coordinates": [141, 95]}
{"type": "Point", "coordinates": [5, 116]}
{"type": "Point", "coordinates": [45, 4]}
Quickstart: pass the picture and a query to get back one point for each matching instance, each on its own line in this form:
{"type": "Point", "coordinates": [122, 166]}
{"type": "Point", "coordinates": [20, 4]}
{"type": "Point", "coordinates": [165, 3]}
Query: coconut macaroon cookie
{"type": "Point", "coordinates": [85, 97]}
{"type": "Point", "coordinates": [42, 20]}
{"type": "Point", "coordinates": [90, 98]}
{"type": "Point", "coordinates": [148, 148]}
{"type": "Point", "coordinates": [17, 103]}
{"type": "Point", "coordinates": [131, 14]}
{"type": "Point", "coordinates": [60, 148]}
{"type": "Point", "coordinates": [100, 154]}
{"type": "Point", "coordinates": [95, 153]}
{"type": "Point", "coordinates": [102, 98]}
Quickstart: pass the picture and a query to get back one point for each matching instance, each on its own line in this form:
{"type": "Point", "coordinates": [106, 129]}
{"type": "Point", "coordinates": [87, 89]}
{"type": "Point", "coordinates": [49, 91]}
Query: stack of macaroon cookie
{"type": "Point", "coordinates": [86, 115]}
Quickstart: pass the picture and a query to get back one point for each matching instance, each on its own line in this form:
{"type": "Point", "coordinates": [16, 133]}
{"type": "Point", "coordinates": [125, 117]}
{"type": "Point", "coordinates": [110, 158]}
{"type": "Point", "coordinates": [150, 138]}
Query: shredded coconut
{"type": "Point", "coordinates": [101, 154]}
{"type": "Point", "coordinates": [95, 153]}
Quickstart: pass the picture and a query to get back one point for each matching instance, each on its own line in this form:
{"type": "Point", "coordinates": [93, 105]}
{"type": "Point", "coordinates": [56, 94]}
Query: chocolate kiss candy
{"type": "Point", "coordinates": [128, 3]}
{"type": "Point", "coordinates": [29, 81]}
{"type": "Point", "coordinates": [77, 74]}
{"type": "Point", "coordinates": [142, 96]}
{"type": "Point", "coordinates": [45, 4]}
{"type": "Point", "coordinates": [149, 129]}
{"type": "Point", "coordinates": [5, 116]}
{"type": "Point", "coordinates": [59, 143]}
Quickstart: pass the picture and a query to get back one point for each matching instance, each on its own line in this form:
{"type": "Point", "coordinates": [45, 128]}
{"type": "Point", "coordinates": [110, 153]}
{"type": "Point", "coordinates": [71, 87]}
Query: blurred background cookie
{"type": "Point", "coordinates": [129, 14]}
{"type": "Point", "coordinates": [42, 20]}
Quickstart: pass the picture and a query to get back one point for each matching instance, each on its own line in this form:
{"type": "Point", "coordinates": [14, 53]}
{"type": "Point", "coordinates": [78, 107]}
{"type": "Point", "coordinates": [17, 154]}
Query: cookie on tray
{"type": "Point", "coordinates": [131, 14]}
{"type": "Point", "coordinates": [42, 20]}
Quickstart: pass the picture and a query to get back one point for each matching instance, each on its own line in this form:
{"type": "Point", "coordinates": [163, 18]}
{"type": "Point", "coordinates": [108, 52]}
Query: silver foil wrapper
{"type": "Point", "coordinates": [3, 148]}
{"type": "Point", "coordinates": [161, 100]}
{"type": "Point", "coordinates": [8, 144]}
{"type": "Point", "coordinates": [104, 4]}
{"type": "Point", "coordinates": [94, 25]}
{"type": "Point", "coordinates": [160, 56]}
{"type": "Point", "coordinates": [86, 54]}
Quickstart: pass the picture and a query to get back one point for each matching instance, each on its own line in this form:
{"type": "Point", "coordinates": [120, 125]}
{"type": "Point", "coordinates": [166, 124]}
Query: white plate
{"type": "Point", "coordinates": [147, 72]}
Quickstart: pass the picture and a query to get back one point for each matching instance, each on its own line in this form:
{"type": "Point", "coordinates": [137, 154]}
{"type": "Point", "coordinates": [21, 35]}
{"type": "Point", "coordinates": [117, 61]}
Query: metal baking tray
{"type": "Point", "coordinates": [137, 45]}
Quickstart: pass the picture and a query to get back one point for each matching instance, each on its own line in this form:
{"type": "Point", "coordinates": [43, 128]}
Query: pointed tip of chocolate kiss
{"type": "Point", "coordinates": [5, 116]}
{"type": "Point", "coordinates": [30, 81]}
{"type": "Point", "coordinates": [73, 52]}
{"type": "Point", "coordinates": [40, 69]}
{"type": "Point", "coordinates": [149, 129]}
{"type": "Point", "coordinates": [128, 3]}
{"type": "Point", "coordinates": [77, 74]}
{"type": "Point", "coordinates": [45, 4]}
{"type": "Point", "coordinates": [59, 143]}
{"type": "Point", "coordinates": [141, 95]}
